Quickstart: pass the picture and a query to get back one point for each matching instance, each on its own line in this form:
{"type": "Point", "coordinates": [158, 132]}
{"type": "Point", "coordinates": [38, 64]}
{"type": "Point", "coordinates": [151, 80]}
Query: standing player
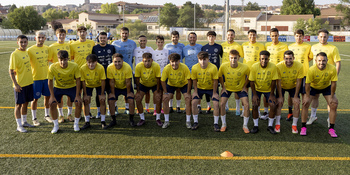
{"type": "Point", "coordinates": [263, 76]}
{"type": "Point", "coordinates": [175, 47]}
{"type": "Point", "coordinates": [227, 46]}
{"type": "Point", "coordinates": [147, 74]}
{"type": "Point", "coordinates": [321, 78]}
{"type": "Point", "coordinates": [179, 77]}
{"type": "Point", "coordinates": [81, 49]}
{"type": "Point", "coordinates": [275, 47]}
{"type": "Point", "coordinates": [205, 81]}
{"type": "Point", "coordinates": [22, 79]}
{"type": "Point", "coordinates": [67, 82]}
{"type": "Point", "coordinates": [93, 76]}
{"type": "Point", "coordinates": [233, 76]}
{"type": "Point", "coordinates": [125, 47]}
{"type": "Point", "coordinates": [291, 73]}
{"type": "Point", "coordinates": [333, 58]}
{"type": "Point", "coordinates": [215, 53]}
{"type": "Point", "coordinates": [120, 74]}
{"type": "Point", "coordinates": [38, 55]}
{"type": "Point", "coordinates": [302, 53]}
{"type": "Point", "coordinates": [104, 54]}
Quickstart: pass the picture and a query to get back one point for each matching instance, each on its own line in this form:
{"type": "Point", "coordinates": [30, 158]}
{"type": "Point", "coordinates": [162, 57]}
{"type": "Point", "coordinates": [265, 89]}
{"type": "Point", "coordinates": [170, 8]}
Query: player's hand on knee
{"type": "Point", "coordinates": [102, 98]}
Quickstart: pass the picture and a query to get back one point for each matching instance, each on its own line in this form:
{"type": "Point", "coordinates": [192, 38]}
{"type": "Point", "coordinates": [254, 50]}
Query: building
{"type": "Point", "coordinates": [132, 6]}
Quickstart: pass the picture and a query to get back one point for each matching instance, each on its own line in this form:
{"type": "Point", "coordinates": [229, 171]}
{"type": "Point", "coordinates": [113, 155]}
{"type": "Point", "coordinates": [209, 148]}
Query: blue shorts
{"type": "Point", "coordinates": [26, 94]}
{"type": "Point", "coordinates": [121, 92]}
{"type": "Point", "coordinates": [266, 94]}
{"type": "Point", "coordinates": [291, 92]}
{"type": "Point", "coordinates": [41, 87]}
{"type": "Point", "coordinates": [326, 91]}
{"type": "Point", "coordinates": [172, 89]}
{"type": "Point", "coordinates": [70, 92]}
{"type": "Point", "coordinates": [201, 92]}
{"type": "Point", "coordinates": [240, 94]}
{"type": "Point", "coordinates": [146, 89]}
{"type": "Point", "coordinates": [89, 91]}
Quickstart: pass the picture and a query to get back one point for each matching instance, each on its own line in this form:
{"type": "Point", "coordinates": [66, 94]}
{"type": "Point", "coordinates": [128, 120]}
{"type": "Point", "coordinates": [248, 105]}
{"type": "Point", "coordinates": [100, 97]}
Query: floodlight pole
{"type": "Point", "coordinates": [194, 17]}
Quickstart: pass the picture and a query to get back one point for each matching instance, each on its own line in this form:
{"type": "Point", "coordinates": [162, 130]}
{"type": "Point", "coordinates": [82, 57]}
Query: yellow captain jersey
{"type": "Point", "coordinates": [226, 48]}
{"type": "Point", "coordinates": [119, 75]}
{"type": "Point", "coordinates": [20, 63]}
{"type": "Point", "coordinates": [302, 53]}
{"type": "Point", "coordinates": [331, 51]}
{"type": "Point", "coordinates": [54, 48]}
{"type": "Point", "coordinates": [320, 79]}
{"type": "Point", "coordinates": [148, 76]}
{"type": "Point", "coordinates": [80, 50]}
{"type": "Point", "coordinates": [178, 77]}
{"type": "Point", "coordinates": [39, 61]}
{"type": "Point", "coordinates": [205, 76]}
{"type": "Point", "coordinates": [234, 77]}
{"type": "Point", "coordinates": [263, 77]}
{"type": "Point", "coordinates": [289, 75]}
{"type": "Point", "coordinates": [64, 78]}
{"type": "Point", "coordinates": [276, 51]}
{"type": "Point", "coordinates": [252, 51]}
{"type": "Point", "coordinates": [93, 77]}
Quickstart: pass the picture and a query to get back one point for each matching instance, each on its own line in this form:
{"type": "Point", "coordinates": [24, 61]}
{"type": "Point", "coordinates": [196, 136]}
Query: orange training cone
{"type": "Point", "coordinates": [226, 154]}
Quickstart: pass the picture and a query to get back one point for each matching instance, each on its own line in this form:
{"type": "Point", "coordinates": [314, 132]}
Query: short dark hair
{"type": "Point", "coordinates": [117, 55]}
{"type": "Point", "coordinates": [103, 33]}
{"type": "Point", "coordinates": [124, 29]}
{"type": "Point", "coordinates": [174, 57]}
{"type": "Point", "coordinates": [299, 31]}
{"type": "Point", "coordinates": [322, 54]}
{"type": "Point", "coordinates": [60, 30]}
{"type": "Point", "coordinates": [146, 55]}
{"type": "Point", "coordinates": [62, 54]}
{"type": "Point", "coordinates": [213, 33]}
{"type": "Point", "coordinates": [265, 52]}
{"type": "Point", "coordinates": [159, 37]}
{"type": "Point", "coordinates": [234, 52]}
{"type": "Point", "coordinates": [251, 31]}
{"type": "Point", "coordinates": [289, 52]}
{"type": "Point", "coordinates": [82, 28]}
{"type": "Point", "coordinates": [142, 36]}
{"type": "Point", "coordinates": [21, 37]}
{"type": "Point", "coordinates": [192, 33]}
{"type": "Point", "coordinates": [231, 30]}
{"type": "Point", "coordinates": [91, 57]}
{"type": "Point", "coordinates": [175, 33]}
{"type": "Point", "coordinates": [203, 55]}
{"type": "Point", "coordinates": [274, 30]}
{"type": "Point", "coordinates": [323, 31]}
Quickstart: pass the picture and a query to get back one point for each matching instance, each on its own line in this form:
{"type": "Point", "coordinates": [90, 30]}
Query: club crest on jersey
{"type": "Point", "coordinates": [109, 51]}
{"type": "Point", "coordinates": [216, 50]}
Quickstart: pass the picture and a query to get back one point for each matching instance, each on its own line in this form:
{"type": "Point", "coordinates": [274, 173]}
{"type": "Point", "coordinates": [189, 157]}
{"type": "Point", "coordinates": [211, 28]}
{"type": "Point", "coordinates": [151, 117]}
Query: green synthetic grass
{"type": "Point", "coordinates": [177, 140]}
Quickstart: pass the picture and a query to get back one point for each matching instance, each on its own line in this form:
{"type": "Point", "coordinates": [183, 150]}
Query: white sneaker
{"type": "Point", "coordinates": [165, 125]}
{"type": "Point", "coordinates": [329, 124]}
{"type": "Point", "coordinates": [242, 114]}
{"type": "Point", "coordinates": [36, 122]}
{"type": "Point", "coordinates": [21, 129]}
{"type": "Point", "coordinates": [76, 127]}
{"type": "Point", "coordinates": [26, 124]}
{"type": "Point", "coordinates": [188, 125]}
{"type": "Point", "coordinates": [311, 120]}
{"type": "Point", "coordinates": [264, 116]}
{"type": "Point", "coordinates": [55, 129]}
{"type": "Point", "coordinates": [48, 119]}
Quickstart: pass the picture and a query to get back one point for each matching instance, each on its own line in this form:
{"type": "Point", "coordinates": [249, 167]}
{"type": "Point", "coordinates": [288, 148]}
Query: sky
{"type": "Point", "coordinates": [154, 2]}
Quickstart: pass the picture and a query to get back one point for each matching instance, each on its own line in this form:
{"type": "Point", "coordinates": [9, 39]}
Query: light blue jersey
{"type": "Point", "coordinates": [175, 49]}
{"type": "Point", "coordinates": [190, 53]}
{"type": "Point", "coordinates": [126, 49]}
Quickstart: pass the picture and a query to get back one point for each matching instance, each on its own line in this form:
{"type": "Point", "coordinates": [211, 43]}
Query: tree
{"type": "Point", "coordinates": [12, 8]}
{"type": "Point", "coordinates": [73, 15]}
{"type": "Point", "coordinates": [53, 14]}
{"type": "Point", "coordinates": [345, 10]}
{"type": "Point", "coordinates": [210, 16]}
{"type": "Point", "coordinates": [109, 8]}
{"type": "Point", "coordinates": [135, 28]}
{"type": "Point", "coordinates": [26, 19]}
{"type": "Point", "coordinates": [252, 6]}
{"type": "Point", "coordinates": [6, 24]}
{"type": "Point", "coordinates": [169, 15]}
{"type": "Point", "coordinates": [299, 7]}
{"type": "Point", "coordinates": [186, 13]}
{"type": "Point", "coordinates": [311, 26]}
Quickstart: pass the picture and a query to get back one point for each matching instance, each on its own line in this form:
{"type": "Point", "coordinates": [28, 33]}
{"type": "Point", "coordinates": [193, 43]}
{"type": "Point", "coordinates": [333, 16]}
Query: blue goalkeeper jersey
{"type": "Point", "coordinates": [175, 49]}
{"type": "Point", "coordinates": [126, 49]}
{"type": "Point", "coordinates": [190, 53]}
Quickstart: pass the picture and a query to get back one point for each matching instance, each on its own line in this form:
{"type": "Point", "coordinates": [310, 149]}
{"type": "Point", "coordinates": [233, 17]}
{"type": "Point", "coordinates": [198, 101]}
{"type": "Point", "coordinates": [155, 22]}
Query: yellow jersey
{"type": "Point", "coordinates": [320, 79]}
{"type": "Point", "coordinates": [234, 77]}
{"type": "Point", "coordinates": [93, 77]}
{"type": "Point", "coordinates": [20, 63]}
{"type": "Point", "coordinates": [331, 51]}
{"type": "Point", "coordinates": [252, 51]}
{"type": "Point", "coordinates": [289, 75]}
{"type": "Point", "coordinates": [226, 48]}
{"type": "Point", "coordinates": [263, 77]}
{"type": "Point", "coordinates": [302, 53]}
{"type": "Point", "coordinates": [205, 76]}
{"type": "Point", "coordinates": [178, 77]}
{"type": "Point", "coordinates": [39, 61]}
{"type": "Point", "coordinates": [119, 75]}
{"type": "Point", "coordinates": [54, 48]}
{"type": "Point", "coordinates": [80, 50]}
{"type": "Point", "coordinates": [64, 78]}
{"type": "Point", "coordinates": [148, 76]}
{"type": "Point", "coordinates": [276, 51]}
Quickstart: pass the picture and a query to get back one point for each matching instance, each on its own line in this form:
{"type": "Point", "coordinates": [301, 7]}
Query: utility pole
{"type": "Point", "coordinates": [194, 21]}
{"type": "Point", "coordinates": [226, 19]}
{"type": "Point", "coordinates": [158, 20]}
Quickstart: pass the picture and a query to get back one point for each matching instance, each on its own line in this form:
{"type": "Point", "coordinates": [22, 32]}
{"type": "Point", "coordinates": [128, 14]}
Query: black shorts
{"type": "Point", "coordinates": [26, 94]}
{"type": "Point", "coordinates": [89, 91]}
{"type": "Point", "coordinates": [326, 91]}
{"type": "Point", "coordinates": [240, 94]}
{"type": "Point", "coordinates": [201, 92]}
{"type": "Point", "coordinates": [172, 89]}
{"type": "Point", "coordinates": [70, 92]}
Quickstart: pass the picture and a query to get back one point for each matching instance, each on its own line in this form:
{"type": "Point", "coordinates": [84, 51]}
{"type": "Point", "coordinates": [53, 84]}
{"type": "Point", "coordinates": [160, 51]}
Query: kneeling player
{"type": "Point", "coordinates": [178, 76]}
{"type": "Point", "coordinates": [147, 74]}
{"type": "Point", "coordinates": [236, 80]}
{"type": "Point", "coordinates": [93, 77]}
{"type": "Point", "coordinates": [67, 82]}
{"type": "Point", "coordinates": [205, 81]}
{"type": "Point", "coordinates": [119, 74]}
